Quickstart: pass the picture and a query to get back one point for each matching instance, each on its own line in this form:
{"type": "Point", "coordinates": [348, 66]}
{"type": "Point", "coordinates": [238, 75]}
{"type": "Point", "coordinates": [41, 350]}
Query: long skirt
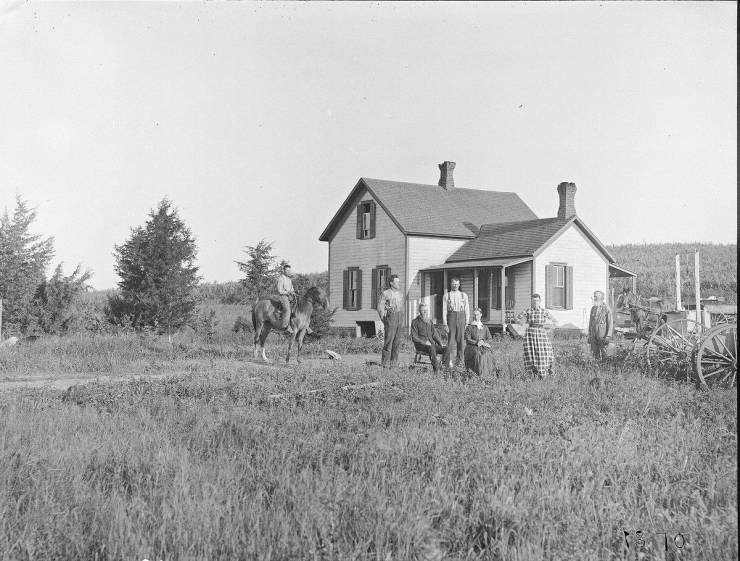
{"type": "Point", "coordinates": [479, 360]}
{"type": "Point", "coordinates": [538, 355]}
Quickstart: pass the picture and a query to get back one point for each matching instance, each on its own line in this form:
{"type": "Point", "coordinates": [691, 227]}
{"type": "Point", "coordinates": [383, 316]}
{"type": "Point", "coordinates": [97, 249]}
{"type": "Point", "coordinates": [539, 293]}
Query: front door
{"type": "Point", "coordinates": [436, 292]}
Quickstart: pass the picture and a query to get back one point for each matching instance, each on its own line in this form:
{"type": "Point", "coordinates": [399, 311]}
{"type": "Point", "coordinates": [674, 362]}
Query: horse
{"type": "Point", "coordinates": [264, 318]}
{"type": "Point", "coordinates": [641, 308]}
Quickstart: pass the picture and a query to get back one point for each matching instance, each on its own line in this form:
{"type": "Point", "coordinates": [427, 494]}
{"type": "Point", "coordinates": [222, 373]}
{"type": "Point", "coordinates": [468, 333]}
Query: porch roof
{"type": "Point", "coordinates": [615, 271]}
{"type": "Point", "coordinates": [502, 262]}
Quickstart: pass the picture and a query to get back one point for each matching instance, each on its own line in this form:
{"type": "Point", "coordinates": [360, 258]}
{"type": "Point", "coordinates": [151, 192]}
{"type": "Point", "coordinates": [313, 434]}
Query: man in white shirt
{"type": "Point", "coordinates": [390, 310]}
{"type": "Point", "coordinates": [455, 316]}
{"type": "Point", "coordinates": [285, 291]}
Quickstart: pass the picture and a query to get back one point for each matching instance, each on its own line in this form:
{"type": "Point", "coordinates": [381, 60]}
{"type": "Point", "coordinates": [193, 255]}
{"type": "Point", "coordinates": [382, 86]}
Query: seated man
{"type": "Point", "coordinates": [424, 337]}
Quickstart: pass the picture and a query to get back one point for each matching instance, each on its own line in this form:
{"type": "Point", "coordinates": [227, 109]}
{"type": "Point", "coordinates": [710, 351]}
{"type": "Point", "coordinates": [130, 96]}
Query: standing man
{"type": "Point", "coordinates": [390, 310]}
{"type": "Point", "coordinates": [455, 316]}
{"type": "Point", "coordinates": [600, 326]}
{"type": "Point", "coordinates": [285, 291]}
{"type": "Point", "coordinates": [424, 337]}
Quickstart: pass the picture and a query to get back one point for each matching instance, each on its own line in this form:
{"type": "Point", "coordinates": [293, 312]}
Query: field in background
{"type": "Point", "coordinates": [655, 268]}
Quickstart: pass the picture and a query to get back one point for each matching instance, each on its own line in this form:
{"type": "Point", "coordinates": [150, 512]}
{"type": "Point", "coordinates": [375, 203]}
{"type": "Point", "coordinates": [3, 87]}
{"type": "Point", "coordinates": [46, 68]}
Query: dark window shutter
{"type": "Point", "coordinates": [548, 286]}
{"type": "Point", "coordinates": [568, 288]}
{"type": "Point", "coordinates": [359, 289]}
{"type": "Point", "coordinates": [359, 221]}
{"type": "Point", "coordinates": [372, 219]}
{"type": "Point", "coordinates": [375, 289]}
{"type": "Point", "coordinates": [345, 302]}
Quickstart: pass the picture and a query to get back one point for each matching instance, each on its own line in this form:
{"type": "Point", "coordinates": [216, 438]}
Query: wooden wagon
{"type": "Point", "coordinates": [675, 344]}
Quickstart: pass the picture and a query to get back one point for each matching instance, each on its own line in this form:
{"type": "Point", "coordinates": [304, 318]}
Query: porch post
{"type": "Point", "coordinates": [502, 294]}
{"type": "Point", "coordinates": [490, 293]}
{"type": "Point", "coordinates": [475, 288]}
{"type": "Point", "coordinates": [634, 284]}
{"type": "Point", "coordinates": [444, 288]}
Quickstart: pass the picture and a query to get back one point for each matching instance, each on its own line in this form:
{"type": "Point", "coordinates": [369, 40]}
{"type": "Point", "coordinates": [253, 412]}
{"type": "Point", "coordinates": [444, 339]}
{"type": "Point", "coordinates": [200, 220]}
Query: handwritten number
{"type": "Point", "coordinates": [665, 540]}
{"type": "Point", "coordinates": [626, 533]}
{"type": "Point", "coordinates": [683, 541]}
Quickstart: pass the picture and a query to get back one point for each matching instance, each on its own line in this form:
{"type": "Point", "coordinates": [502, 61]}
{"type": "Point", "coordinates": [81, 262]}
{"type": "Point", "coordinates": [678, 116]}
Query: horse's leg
{"type": "Point", "coordinates": [266, 328]}
{"type": "Point", "coordinates": [257, 336]}
{"type": "Point", "coordinates": [290, 346]}
{"type": "Point", "coordinates": [301, 335]}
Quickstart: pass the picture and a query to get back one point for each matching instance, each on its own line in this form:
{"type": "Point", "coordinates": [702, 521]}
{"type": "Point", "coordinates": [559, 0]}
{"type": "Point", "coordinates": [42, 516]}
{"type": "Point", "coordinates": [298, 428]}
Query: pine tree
{"type": "Point", "coordinates": [23, 261]}
{"type": "Point", "coordinates": [51, 310]}
{"type": "Point", "coordinates": [260, 270]}
{"type": "Point", "coordinates": [158, 276]}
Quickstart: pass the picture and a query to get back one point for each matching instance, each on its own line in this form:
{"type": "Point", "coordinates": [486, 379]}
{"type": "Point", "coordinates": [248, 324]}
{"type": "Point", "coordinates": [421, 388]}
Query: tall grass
{"type": "Point", "coordinates": [206, 465]}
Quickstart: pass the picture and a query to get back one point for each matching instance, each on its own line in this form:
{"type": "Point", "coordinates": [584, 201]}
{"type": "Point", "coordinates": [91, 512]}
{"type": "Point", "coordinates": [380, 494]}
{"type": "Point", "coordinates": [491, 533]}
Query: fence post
{"type": "Point", "coordinates": [679, 305]}
{"type": "Point", "coordinates": [1, 319]}
{"type": "Point", "coordinates": [697, 286]}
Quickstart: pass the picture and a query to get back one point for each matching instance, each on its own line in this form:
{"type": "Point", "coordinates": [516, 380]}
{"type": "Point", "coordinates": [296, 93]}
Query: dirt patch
{"type": "Point", "coordinates": [62, 382]}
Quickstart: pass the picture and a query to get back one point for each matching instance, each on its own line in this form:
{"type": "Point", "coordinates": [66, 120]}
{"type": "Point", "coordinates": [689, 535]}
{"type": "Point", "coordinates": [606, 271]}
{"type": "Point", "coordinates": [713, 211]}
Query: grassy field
{"type": "Point", "coordinates": [655, 267]}
{"type": "Point", "coordinates": [204, 464]}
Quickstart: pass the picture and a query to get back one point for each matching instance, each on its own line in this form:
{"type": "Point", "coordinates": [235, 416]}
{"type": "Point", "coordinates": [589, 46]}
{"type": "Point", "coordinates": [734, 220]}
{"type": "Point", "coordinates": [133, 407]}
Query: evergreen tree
{"type": "Point", "coordinates": [51, 310]}
{"type": "Point", "coordinates": [23, 261]}
{"type": "Point", "coordinates": [158, 276]}
{"type": "Point", "coordinates": [260, 270]}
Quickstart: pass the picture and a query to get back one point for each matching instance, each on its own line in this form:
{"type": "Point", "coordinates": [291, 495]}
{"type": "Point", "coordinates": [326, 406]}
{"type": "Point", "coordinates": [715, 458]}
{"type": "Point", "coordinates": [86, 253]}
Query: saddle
{"type": "Point", "coordinates": [277, 303]}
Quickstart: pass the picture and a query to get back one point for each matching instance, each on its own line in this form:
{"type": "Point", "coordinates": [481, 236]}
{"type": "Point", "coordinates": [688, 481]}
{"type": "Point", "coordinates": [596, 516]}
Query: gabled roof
{"type": "Point", "coordinates": [520, 239]}
{"type": "Point", "coordinates": [431, 210]}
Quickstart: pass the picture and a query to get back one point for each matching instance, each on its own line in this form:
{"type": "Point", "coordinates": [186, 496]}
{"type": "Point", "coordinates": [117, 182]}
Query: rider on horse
{"type": "Point", "coordinates": [287, 294]}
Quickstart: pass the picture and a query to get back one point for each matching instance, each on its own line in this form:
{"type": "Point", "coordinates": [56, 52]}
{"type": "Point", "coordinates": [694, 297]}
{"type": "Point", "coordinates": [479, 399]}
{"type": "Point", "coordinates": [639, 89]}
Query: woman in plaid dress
{"type": "Point", "coordinates": [538, 355]}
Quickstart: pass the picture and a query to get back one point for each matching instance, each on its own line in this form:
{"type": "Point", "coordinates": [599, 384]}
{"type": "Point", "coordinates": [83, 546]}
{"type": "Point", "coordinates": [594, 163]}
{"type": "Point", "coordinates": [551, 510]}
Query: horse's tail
{"type": "Point", "coordinates": [254, 315]}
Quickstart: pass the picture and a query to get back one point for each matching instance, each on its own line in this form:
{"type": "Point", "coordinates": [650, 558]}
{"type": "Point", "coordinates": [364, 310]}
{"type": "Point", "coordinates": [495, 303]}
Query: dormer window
{"type": "Point", "coordinates": [366, 220]}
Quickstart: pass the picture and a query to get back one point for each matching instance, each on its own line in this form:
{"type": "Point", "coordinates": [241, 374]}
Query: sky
{"type": "Point", "coordinates": [257, 119]}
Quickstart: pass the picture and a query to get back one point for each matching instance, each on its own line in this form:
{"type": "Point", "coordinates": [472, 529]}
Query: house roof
{"type": "Point", "coordinates": [431, 210]}
{"type": "Point", "coordinates": [519, 239]}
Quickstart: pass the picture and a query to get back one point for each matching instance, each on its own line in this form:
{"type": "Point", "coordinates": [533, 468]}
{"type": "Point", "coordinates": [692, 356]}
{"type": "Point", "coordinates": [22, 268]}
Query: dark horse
{"type": "Point", "coordinates": [265, 316]}
{"type": "Point", "coordinates": [641, 309]}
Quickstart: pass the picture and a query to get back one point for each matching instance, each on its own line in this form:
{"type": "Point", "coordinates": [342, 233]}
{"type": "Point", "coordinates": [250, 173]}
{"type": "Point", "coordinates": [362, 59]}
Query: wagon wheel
{"type": "Point", "coordinates": [671, 346]}
{"type": "Point", "coordinates": [716, 357]}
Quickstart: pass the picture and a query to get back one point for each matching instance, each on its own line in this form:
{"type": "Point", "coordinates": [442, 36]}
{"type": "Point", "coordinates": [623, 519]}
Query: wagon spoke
{"type": "Point", "coordinates": [716, 354]}
{"type": "Point", "coordinates": [721, 342]}
{"type": "Point", "coordinates": [726, 376]}
{"type": "Point", "coordinates": [678, 335]}
{"type": "Point", "coordinates": [714, 372]}
{"type": "Point", "coordinates": [723, 363]}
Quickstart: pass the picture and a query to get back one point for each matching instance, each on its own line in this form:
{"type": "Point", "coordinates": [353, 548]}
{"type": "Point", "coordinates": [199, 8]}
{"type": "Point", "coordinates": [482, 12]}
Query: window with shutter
{"type": "Point", "coordinates": [380, 276]}
{"type": "Point", "coordinates": [556, 284]}
{"type": "Point", "coordinates": [352, 289]}
{"type": "Point", "coordinates": [366, 220]}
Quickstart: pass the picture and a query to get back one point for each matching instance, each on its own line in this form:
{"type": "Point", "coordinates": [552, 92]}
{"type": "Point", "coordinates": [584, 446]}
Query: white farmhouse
{"type": "Point", "coordinates": [491, 240]}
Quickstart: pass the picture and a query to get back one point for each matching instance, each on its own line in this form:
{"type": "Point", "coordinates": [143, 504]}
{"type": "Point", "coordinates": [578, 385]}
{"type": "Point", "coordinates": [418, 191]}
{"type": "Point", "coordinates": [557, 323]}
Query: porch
{"type": "Point", "coordinates": [501, 288]}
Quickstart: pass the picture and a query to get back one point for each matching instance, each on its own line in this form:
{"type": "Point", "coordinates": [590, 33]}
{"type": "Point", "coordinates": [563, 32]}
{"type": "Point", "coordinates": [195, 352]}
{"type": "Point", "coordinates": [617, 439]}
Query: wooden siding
{"type": "Point", "coordinates": [590, 272]}
{"type": "Point", "coordinates": [522, 275]}
{"type": "Point", "coordinates": [345, 250]}
{"type": "Point", "coordinates": [425, 252]}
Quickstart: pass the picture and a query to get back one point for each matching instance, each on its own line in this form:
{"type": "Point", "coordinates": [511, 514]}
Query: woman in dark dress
{"type": "Point", "coordinates": [478, 355]}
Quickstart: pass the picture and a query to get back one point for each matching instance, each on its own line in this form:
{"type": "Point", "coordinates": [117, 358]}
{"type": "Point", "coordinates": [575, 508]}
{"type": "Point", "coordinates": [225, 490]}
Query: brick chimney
{"type": "Point", "coordinates": [567, 192]}
{"type": "Point", "coordinates": [446, 181]}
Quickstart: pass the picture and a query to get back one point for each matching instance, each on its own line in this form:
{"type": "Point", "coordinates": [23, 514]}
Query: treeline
{"type": "Point", "coordinates": [655, 268]}
{"type": "Point", "coordinates": [159, 290]}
